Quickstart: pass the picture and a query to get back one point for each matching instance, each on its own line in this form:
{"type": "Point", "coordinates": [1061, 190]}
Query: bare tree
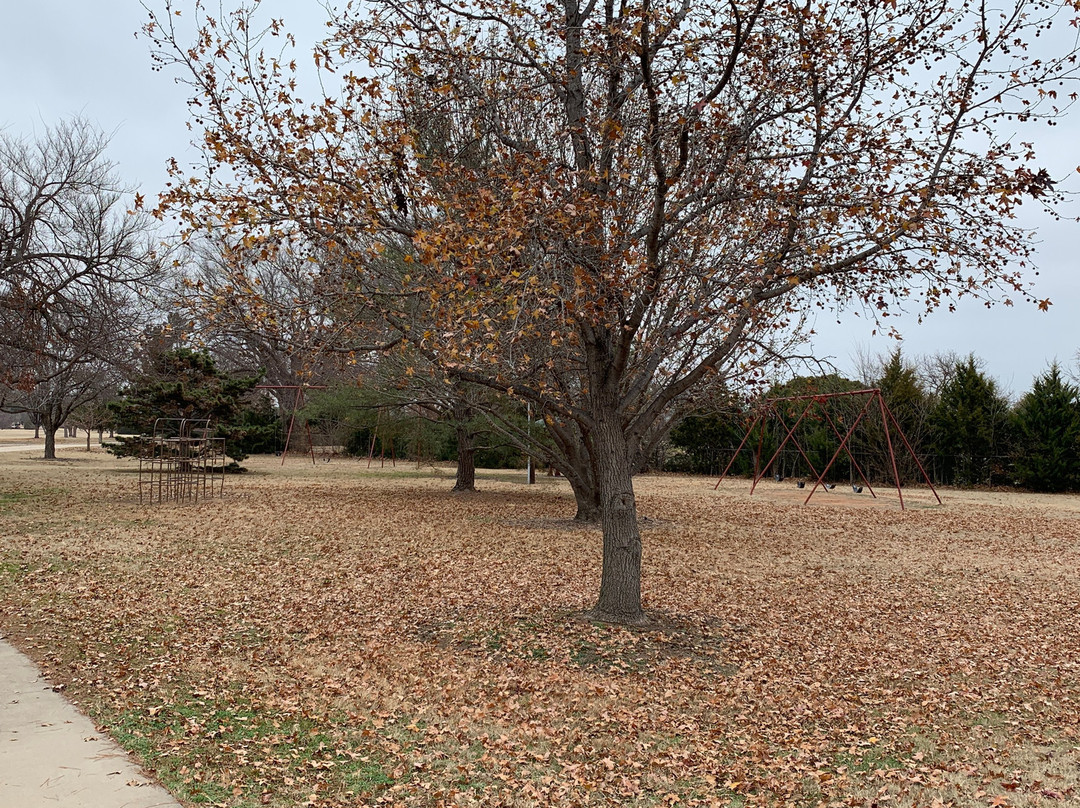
{"type": "Point", "coordinates": [75, 270]}
{"type": "Point", "coordinates": [936, 370]}
{"type": "Point", "coordinates": [301, 329]}
{"type": "Point", "coordinates": [64, 388]}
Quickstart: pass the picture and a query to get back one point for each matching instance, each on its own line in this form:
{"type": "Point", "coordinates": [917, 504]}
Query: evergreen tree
{"type": "Point", "coordinates": [817, 431]}
{"type": "Point", "coordinates": [906, 398]}
{"type": "Point", "coordinates": [185, 384]}
{"type": "Point", "coordinates": [706, 442]}
{"type": "Point", "coordinates": [970, 427]}
{"type": "Point", "coordinates": [1047, 423]}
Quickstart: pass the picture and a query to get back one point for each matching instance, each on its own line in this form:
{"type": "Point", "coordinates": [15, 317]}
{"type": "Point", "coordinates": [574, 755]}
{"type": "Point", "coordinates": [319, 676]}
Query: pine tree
{"type": "Point", "coordinates": [184, 384]}
{"type": "Point", "coordinates": [970, 427]}
{"type": "Point", "coordinates": [706, 441]}
{"type": "Point", "coordinates": [817, 432]}
{"type": "Point", "coordinates": [1047, 423]}
{"type": "Point", "coordinates": [907, 400]}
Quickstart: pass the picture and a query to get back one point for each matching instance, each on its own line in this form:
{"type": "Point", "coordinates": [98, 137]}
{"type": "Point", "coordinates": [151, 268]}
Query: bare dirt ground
{"type": "Point", "coordinates": [327, 635]}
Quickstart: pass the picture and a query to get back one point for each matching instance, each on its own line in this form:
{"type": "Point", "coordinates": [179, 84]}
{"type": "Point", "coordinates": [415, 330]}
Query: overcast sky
{"type": "Point", "coordinates": [59, 58]}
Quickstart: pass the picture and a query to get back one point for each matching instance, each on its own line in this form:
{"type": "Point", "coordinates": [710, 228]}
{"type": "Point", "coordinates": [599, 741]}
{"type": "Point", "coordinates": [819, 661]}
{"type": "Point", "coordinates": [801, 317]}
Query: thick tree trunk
{"type": "Point", "coordinates": [52, 419]}
{"type": "Point", "coordinates": [466, 468]}
{"type": "Point", "coordinates": [466, 451]}
{"type": "Point", "coordinates": [620, 578]}
{"type": "Point", "coordinates": [50, 443]}
{"type": "Point", "coordinates": [579, 470]}
{"type": "Point", "coordinates": [571, 455]}
{"type": "Point", "coordinates": [588, 501]}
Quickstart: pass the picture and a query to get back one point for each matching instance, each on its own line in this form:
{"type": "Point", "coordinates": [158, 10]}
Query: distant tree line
{"type": "Point", "coordinates": [957, 421]}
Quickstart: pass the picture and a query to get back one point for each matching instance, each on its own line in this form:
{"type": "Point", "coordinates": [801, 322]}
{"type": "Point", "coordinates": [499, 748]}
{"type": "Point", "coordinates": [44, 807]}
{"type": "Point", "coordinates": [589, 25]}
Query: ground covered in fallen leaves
{"type": "Point", "coordinates": [330, 635]}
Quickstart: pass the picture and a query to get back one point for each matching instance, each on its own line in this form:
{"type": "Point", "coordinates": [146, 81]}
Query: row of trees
{"type": "Point", "coordinates": [600, 211]}
{"type": "Point", "coordinates": [97, 319]}
{"type": "Point", "coordinates": [962, 428]}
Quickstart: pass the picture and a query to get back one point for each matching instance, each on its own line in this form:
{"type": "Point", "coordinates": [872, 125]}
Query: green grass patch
{"type": "Point", "coordinates": [586, 654]}
{"type": "Point", "coordinates": [193, 744]}
{"type": "Point", "coordinates": [992, 720]}
{"type": "Point", "coordinates": [10, 498]}
{"type": "Point", "coordinates": [366, 777]}
{"type": "Point", "coordinates": [37, 498]}
{"type": "Point", "coordinates": [870, 760]}
{"type": "Point", "coordinates": [13, 570]}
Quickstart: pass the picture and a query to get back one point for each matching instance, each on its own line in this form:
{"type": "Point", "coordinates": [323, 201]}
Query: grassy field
{"type": "Point", "coordinates": [333, 636]}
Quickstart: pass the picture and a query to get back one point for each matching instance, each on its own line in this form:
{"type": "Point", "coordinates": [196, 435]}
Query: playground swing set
{"type": "Point", "coordinates": [871, 401]}
{"type": "Point", "coordinates": [298, 404]}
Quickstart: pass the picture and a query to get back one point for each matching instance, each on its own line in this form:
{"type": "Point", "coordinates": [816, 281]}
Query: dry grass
{"type": "Point", "coordinates": [24, 440]}
{"type": "Point", "coordinates": [336, 636]}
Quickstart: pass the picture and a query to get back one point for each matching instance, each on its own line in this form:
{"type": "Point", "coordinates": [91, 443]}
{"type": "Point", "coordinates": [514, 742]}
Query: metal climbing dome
{"type": "Point", "coordinates": [181, 462]}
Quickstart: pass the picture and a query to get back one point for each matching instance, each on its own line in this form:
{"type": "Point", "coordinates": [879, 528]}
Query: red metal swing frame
{"type": "Point", "coordinates": [770, 409]}
{"type": "Point", "coordinates": [298, 404]}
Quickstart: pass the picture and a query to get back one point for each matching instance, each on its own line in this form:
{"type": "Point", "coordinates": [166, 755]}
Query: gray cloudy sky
{"type": "Point", "coordinates": [64, 57]}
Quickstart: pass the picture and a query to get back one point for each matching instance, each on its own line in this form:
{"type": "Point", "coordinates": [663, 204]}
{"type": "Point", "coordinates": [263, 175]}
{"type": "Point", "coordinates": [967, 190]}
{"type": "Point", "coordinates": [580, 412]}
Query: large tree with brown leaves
{"type": "Point", "coordinates": [600, 207]}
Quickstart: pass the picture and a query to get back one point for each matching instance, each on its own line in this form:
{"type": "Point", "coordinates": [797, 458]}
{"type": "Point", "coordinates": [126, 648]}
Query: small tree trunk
{"type": "Point", "coordinates": [620, 577]}
{"type": "Point", "coordinates": [50, 443]}
{"type": "Point", "coordinates": [88, 439]}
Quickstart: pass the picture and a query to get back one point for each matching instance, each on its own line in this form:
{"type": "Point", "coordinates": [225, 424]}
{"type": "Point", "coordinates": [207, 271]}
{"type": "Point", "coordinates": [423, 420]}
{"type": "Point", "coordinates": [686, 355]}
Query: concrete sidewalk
{"type": "Point", "coordinates": [52, 756]}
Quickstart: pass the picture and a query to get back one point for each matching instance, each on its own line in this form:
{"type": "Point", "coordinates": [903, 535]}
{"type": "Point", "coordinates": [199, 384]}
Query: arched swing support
{"type": "Point", "coordinates": [382, 449]}
{"type": "Point", "coordinates": [298, 404]}
{"type": "Point", "coordinates": [770, 410]}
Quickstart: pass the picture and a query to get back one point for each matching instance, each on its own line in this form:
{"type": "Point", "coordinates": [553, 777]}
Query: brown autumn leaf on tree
{"type": "Point", "coordinates": [600, 208]}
